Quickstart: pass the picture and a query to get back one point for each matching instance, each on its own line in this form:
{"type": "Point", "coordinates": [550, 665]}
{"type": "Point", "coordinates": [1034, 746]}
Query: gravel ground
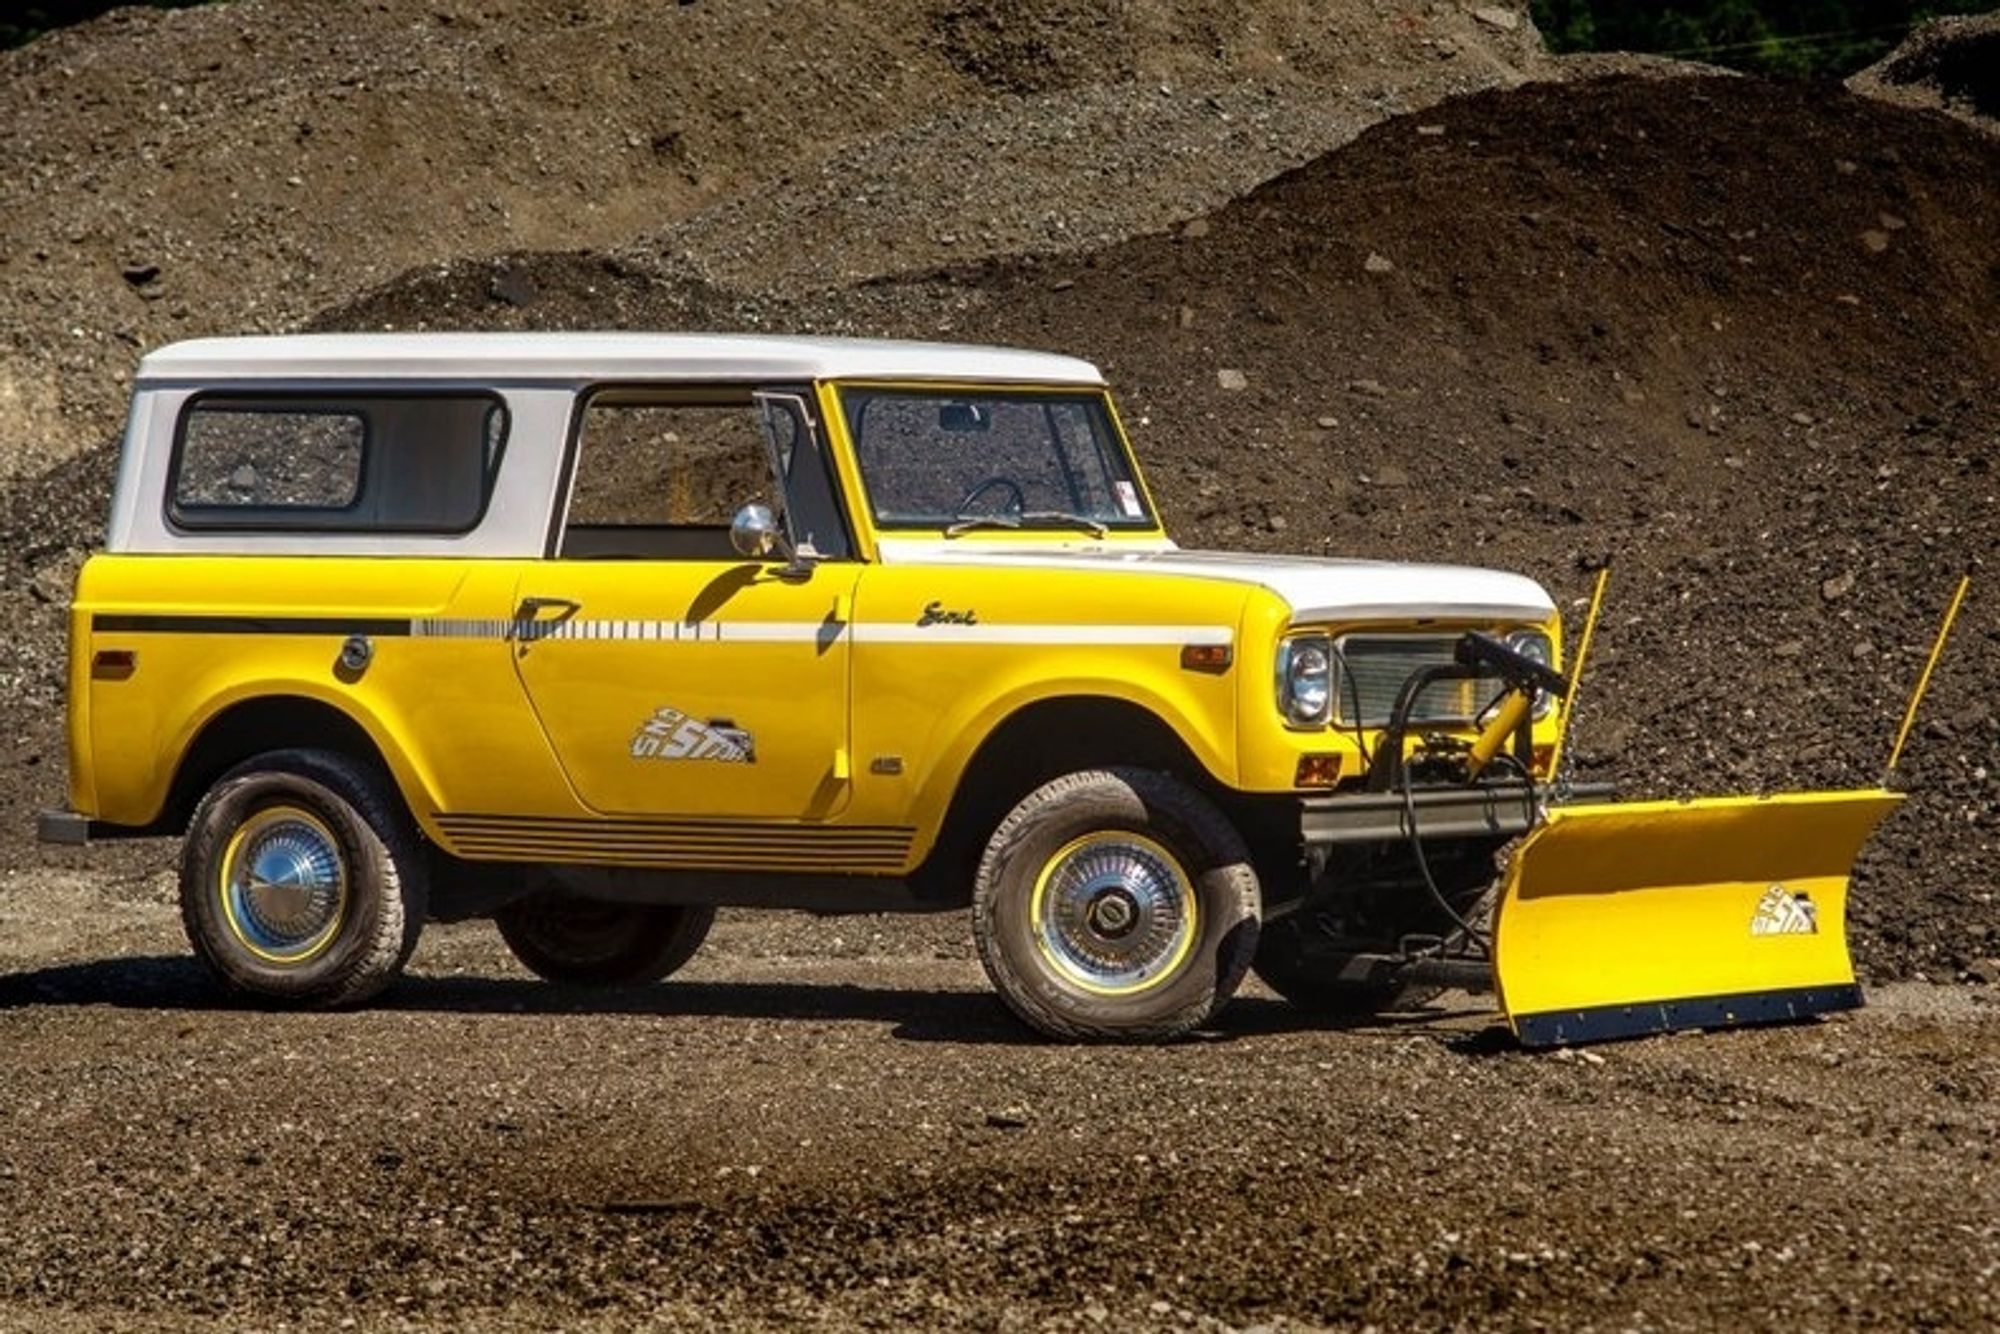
{"type": "Point", "coordinates": [855, 1133]}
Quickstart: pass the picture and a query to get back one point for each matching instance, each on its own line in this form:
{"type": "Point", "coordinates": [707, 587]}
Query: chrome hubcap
{"type": "Point", "coordinates": [1114, 913]}
{"type": "Point", "coordinates": [284, 886]}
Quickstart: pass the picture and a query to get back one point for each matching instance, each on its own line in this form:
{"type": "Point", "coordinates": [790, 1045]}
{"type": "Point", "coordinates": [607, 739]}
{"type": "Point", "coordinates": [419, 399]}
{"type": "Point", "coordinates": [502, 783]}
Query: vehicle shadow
{"type": "Point", "coordinates": [173, 982]}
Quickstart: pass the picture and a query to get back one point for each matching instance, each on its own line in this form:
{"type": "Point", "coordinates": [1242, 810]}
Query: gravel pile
{"type": "Point", "coordinates": [1733, 337]}
{"type": "Point", "coordinates": [238, 167]}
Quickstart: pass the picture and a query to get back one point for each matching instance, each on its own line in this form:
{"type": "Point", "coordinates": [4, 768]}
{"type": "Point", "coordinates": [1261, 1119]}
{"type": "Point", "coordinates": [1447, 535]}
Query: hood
{"type": "Point", "coordinates": [1316, 588]}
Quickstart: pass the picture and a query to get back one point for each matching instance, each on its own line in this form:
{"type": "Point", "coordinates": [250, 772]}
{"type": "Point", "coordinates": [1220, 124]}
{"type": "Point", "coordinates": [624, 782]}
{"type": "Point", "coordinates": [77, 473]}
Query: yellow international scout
{"type": "Point", "coordinates": [593, 633]}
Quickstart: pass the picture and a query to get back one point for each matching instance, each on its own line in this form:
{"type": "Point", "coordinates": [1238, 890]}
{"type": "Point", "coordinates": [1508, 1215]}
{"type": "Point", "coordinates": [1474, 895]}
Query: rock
{"type": "Point", "coordinates": [1195, 230]}
{"type": "Point", "coordinates": [1369, 388]}
{"type": "Point", "coordinates": [1890, 222]}
{"type": "Point", "coordinates": [1875, 242]}
{"type": "Point", "coordinates": [1802, 418]}
{"type": "Point", "coordinates": [1390, 474]}
{"type": "Point", "coordinates": [1838, 587]}
{"type": "Point", "coordinates": [1277, 523]}
{"type": "Point", "coordinates": [1493, 16]}
{"type": "Point", "coordinates": [1378, 263]}
{"type": "Point", "coordinates": [513, 287]}
{"type": "Point", "coordinates": [1986, 972]}
{"type": "Point", "coordinates": [1013, 1118]}
{"type": "Point", "coordinates": [1232, 379]}
{"type": "Point", "coordinates": [1431, 131]}
{"type": "Point", "coordinates": [140, 274]}
{"type": "Point", "coordinates": [1187, 317]}
{"type": "Point", "coordinates": [1327, 423]}
{"type": "Point", "coordinates": [243, 479]}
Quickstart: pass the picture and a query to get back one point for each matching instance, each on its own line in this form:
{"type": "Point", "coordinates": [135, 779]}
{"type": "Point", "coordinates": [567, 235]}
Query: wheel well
{"type": "Point", "coordinates": [1036, 743]}
{"type": "Point", "coordinates": [251, 727]}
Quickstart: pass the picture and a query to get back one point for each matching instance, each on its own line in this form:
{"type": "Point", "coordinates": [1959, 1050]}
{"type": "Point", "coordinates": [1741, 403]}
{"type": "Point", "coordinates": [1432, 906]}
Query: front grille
{"type": "Point", "coordinates": [1371, 670]}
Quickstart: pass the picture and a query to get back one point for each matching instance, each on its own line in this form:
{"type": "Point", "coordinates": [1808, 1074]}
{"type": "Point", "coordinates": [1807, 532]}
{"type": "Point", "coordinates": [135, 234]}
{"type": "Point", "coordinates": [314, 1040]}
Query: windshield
{"type": "Point", "coordinates": [992, 459]}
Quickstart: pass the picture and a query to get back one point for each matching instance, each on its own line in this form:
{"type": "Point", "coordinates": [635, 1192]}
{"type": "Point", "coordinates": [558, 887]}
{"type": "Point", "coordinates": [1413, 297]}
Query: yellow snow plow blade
{"type": "Point", "coordinates": [1618, 920]}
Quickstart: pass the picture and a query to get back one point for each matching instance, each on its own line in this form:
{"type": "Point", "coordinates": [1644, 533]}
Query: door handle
{"type": "Point", "coordinates": [531, 608]}
{"type": "Point", "coordinates": [528, 623]}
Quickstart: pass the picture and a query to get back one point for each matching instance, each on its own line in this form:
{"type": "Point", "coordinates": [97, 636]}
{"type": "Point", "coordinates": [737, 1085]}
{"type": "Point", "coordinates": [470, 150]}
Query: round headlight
{"type": "Point", "coordinates": [1534, 646]}
{"type": "Point", "coordinates": [1306, 684]}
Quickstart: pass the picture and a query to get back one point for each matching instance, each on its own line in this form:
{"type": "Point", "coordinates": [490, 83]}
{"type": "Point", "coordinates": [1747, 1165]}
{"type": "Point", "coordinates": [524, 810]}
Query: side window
{"type": "Point", "coordinates": [421, 462]}
{"type": "Point", "coordinates": [666, 464]}
{"type": "Point", "coordinates": [238, 458]}
{"type": "Point", "coordinates": [659, 474]}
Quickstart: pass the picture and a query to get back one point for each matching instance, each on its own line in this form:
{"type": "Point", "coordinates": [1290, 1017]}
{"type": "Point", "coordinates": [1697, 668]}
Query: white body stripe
{"type": "Point", "coordinates": [878, 632]}
{"type": "Point", "coordinates": [812, 632]}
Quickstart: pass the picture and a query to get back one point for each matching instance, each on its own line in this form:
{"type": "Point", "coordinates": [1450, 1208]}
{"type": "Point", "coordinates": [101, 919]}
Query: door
{"type": "Point", "coordinates": [673, 676]}
{"type": "Point", "coordinates": [696, 688]}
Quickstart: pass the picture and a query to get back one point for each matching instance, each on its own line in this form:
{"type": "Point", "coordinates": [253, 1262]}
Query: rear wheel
{"type": "Point", "coordinates": [575, 941]}
{"type": "Point", "coordinates": [1115, 904]}
{"type": "Point", "coordinates": [302, 880]}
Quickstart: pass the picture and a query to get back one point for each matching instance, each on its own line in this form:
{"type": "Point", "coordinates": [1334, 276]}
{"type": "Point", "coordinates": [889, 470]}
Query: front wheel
{"type": "Point", "coordinates": [575, 941]}
{"type": "Point", "coordinates": [1115, 904]}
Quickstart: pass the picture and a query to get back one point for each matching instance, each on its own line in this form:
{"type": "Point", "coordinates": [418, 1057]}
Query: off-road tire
{"type": "Point", "coordinates": [578, 942]}
{"type": "Point", "coordinates": [1166, 812]}
{"type": "Point", "coordinates": [387, 886]}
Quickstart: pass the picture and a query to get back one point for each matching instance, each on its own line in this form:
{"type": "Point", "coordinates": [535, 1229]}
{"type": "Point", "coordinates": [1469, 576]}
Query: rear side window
{"type": "Point", "coordinates": [393, 463]}
{"type": "Point", "coordinates": [234, 458]}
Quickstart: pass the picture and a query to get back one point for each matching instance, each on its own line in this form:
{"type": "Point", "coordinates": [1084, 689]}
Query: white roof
{"type": "Point", "coordinates": [585, 358]}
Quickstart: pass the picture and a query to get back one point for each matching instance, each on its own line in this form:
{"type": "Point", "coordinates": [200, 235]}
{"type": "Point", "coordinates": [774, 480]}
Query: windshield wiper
{"type": "Point", "coordinates": [1014, 522]}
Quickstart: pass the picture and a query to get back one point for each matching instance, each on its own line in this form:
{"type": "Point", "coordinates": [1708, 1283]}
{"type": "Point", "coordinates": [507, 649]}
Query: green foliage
{"type": "Point", "coordinates": [24, 23]}
{"type": "Point", "coordinates": [1795, 38]}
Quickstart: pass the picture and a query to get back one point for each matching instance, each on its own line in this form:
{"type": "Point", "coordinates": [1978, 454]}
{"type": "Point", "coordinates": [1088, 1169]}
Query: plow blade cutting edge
{"type": "Point", "coordinates": [1620, 920]}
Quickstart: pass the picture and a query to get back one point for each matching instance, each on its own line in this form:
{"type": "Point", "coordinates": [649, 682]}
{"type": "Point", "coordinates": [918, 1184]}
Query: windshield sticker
{"type": "Point", "coordinates": [671, 735]}
{"type": "Point", "coordinates": [1128, 499]}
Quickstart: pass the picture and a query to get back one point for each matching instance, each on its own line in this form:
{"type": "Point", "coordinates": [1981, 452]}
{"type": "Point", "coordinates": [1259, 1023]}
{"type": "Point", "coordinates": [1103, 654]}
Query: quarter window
{"type": "Point", "coordinates": [237, 458]}
{"type": "Point", "coordinates": [394, 463]}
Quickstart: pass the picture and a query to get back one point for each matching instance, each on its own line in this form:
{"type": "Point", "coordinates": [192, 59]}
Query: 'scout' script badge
{"type": "Point", "coordinates": [936, 613]}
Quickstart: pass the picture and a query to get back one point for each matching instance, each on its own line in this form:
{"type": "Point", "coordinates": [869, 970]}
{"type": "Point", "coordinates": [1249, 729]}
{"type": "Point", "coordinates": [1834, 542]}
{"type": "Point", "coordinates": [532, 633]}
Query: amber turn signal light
{"type": "Point", "coordinates": [1317, 771]}
{"type": "Point", "coordinates": [1211, 658]}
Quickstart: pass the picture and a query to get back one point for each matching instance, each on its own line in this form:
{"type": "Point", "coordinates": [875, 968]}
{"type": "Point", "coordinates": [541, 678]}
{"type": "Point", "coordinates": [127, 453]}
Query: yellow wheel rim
{"type": "Point", "coordinates": [283, 886]}
{"type": "Point", "coordinates": [1114, 913]}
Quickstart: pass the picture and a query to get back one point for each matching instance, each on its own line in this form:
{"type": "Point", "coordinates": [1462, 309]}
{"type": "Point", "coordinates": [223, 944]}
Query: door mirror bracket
{"type": "Point", "coordinates": [756, 533]}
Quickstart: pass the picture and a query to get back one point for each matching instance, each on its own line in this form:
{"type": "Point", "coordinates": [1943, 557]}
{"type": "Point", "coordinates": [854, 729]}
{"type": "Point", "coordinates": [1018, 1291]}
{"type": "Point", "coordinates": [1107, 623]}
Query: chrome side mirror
{"type": "Point", "coordinates": [754, 532]}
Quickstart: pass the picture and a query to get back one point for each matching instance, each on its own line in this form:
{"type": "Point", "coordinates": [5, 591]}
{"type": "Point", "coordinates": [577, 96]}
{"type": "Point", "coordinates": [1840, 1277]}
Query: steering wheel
{"type": "Point", "coordinates": [1017, 499]}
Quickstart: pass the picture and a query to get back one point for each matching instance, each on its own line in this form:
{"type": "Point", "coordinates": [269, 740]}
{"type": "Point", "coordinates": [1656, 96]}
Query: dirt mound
{"type": "Point", "coordinates": [237, 167]}
{"type": "Point", "coordinates": [1950, 64]}
{"type": "Point", "coordinates": [1734, 337]}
